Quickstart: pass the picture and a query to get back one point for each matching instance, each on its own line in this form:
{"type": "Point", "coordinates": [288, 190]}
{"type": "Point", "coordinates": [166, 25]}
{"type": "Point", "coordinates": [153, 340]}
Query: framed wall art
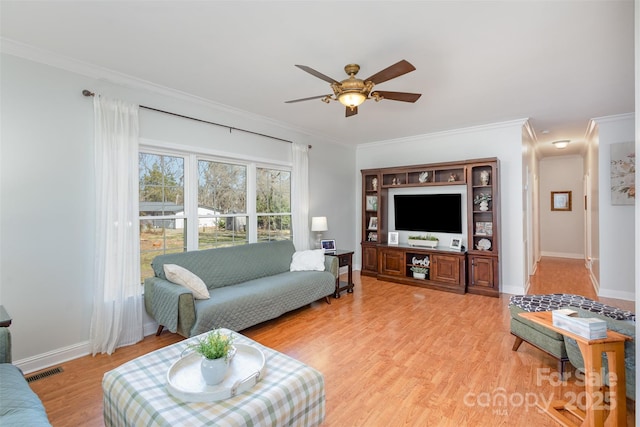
{"type": "Point", "coordinates": [623, 174]}
{"type": "Point", "coordinates": [561, 200]}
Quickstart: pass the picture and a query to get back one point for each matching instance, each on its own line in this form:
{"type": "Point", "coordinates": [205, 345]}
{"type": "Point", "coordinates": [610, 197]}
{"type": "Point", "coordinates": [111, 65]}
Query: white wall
{"type": "Point", "coordinates": [616, 222]}
{"type": "Point", "coordinates": [562, 232]}
{"type": "Point", "coordinates": [501, 140]}
{"type": "Point", "coordinates": [46, 177]}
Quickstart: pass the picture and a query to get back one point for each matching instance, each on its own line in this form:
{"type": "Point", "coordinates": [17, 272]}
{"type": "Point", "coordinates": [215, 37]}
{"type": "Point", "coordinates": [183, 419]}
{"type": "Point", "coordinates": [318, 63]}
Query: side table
{"type": "Point", "coordinates": [345, 258]}
{"type": "Point", "coordinates": [592, 350]}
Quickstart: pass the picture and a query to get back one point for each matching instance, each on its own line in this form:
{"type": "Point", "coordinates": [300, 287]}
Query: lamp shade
{"type": "Point", "coordinates": [352, 99]}
{"type": "Point", "coordinates": [319, 223]}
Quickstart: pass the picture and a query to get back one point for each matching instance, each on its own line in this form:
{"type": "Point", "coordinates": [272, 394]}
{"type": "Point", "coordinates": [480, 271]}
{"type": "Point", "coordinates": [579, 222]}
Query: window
{"type": "Point", "coordinates": [222, 204]}
{"type": "Point", "coordinates": [190, 202]}
{"type": "Point", "coordinates": [273, 204]}
{"type": "Point", "coordinates": [161, 207]}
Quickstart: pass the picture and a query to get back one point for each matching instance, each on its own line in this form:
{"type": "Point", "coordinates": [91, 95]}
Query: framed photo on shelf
{"type": "Point", "coordinates": [488, 228]}
{"type": "Point", "coordinates": [393, 238]}
{"type": "Point", "coordinates": [373, 223]}
{"type": "Point", "coordinates": [372, 203]}
{"type": "Point", "coordinates": [481, 229]}
{"type": "Point", "coordinates": [561, 200]}
{"type": "Point", "coordinates": [456, 243]}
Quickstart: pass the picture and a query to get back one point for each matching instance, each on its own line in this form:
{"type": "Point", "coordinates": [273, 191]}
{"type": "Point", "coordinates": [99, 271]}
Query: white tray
{"type": "Point", "coordinates": [185, 381]}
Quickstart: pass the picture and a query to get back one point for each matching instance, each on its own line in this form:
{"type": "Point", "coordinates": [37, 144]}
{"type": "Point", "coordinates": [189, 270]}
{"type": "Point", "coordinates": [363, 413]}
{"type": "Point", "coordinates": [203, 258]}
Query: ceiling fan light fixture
{"type": "Point", "coordinates": [352, 99]}
{"type": "Point", "coordinates": [563, 143]}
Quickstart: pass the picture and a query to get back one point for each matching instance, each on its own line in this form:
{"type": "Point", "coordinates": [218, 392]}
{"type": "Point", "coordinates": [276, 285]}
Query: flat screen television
{"type": "Point", "coordinates": [428, 212]}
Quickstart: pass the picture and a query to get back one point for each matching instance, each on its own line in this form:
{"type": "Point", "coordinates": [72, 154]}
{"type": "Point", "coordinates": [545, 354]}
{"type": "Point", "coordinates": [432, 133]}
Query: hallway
{"type": "Point", "coordinates": [569, 276]}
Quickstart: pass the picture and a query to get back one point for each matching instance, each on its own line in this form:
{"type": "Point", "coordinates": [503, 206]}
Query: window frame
{"type": "Point", "coordinates": [191, 157]}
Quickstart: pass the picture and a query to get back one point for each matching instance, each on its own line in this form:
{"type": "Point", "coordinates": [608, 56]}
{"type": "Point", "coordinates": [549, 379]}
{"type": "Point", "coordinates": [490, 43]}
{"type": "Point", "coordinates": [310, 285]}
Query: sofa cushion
{"type": "Point", "coordinates": [19, 405]}
{"type": "Point", "coordinates": [312, 260]}
{"type": "Point", "coordinates": [549, 302]}
{"type": "Point", "coordinates": [184, 277]}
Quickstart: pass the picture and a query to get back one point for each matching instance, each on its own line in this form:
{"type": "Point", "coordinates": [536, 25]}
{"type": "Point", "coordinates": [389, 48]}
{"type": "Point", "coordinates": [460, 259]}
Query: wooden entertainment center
{"type": "Point", "coordinates": [475, 269]}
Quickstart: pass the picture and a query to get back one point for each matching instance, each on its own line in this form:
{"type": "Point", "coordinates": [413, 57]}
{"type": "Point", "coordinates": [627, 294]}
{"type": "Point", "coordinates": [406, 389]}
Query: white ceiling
{"type": "Point", "coordinates": [558, 63]}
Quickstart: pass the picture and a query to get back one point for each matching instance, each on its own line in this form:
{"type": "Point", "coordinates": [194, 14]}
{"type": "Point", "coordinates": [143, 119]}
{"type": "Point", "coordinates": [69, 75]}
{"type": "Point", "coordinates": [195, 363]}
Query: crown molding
{"type": "Point", "coordinates": [31, 53]}
{"type": "Point", "coordinates": [445, 133]}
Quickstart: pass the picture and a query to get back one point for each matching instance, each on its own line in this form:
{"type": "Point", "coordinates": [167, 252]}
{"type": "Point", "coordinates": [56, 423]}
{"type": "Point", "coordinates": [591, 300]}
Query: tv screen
{"type": "Point", "coordinates": [428, 212]}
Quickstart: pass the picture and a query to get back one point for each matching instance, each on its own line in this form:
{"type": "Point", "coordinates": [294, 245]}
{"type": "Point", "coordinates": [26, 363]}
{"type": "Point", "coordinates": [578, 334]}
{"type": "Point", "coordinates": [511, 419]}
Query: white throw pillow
{"type": "Point", "coordinates": [184, 277]}
{"type": "Point", "coordinates": [308, 260]}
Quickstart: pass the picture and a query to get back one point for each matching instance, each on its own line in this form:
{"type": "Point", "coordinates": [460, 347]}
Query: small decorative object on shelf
{"type": "Point", "coordinates": [419, 272]}
{"type": "Point", "coordinates": [453, 177]}
{"type": "Point", "coordinates": [394, 181]}
{"type": "Point", "coordinates": [216, 351]}
{"type": "Point", "coordinates": [372, 237]}
{"type": "Point", "coordinates": [374, 184]}
{"type": "Point", "coordinates": [424, 241]}
{"type": "Point", "coordinates": [482, 199]}
{"type": "Point", "coordinates": [484, 177]}
{"type": "Point", "coordinates": [423, 177]}
{"type": "Point", "coordinates": [483, 244]}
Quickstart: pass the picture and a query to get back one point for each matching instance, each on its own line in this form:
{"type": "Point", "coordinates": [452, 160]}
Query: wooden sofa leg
{"type": "Point", "coordinates": [327, 299]}
{"type": "Point", "coordinates": [516, 343]}
{"type": "Point", "coordinates": [160, 327]}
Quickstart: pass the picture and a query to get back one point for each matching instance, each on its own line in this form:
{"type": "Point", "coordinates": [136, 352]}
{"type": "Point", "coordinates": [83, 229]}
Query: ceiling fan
{"type": "Point", "coordinates": [352, 91]}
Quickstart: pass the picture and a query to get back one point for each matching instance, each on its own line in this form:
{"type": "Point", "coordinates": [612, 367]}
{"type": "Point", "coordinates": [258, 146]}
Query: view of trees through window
{"type": "Point", "coordinates": [161, 207]}
{"type": "Point", "coordinates": [273, 204]}
{"type": "Point", "coordinates": [222, 217]}
{"type": "Point", "coordinates": [222, 204]}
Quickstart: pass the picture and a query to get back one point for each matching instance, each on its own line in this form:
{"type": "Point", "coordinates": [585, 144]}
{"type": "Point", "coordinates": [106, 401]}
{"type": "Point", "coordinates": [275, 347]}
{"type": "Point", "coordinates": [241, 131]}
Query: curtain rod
{"type": "Point", "coordinates": [86, 92]}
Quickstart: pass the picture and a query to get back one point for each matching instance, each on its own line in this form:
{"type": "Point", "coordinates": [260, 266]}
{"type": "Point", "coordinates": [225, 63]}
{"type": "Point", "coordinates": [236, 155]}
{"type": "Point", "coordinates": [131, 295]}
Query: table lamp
{"type": "Point", "coordinates": [319, 224]}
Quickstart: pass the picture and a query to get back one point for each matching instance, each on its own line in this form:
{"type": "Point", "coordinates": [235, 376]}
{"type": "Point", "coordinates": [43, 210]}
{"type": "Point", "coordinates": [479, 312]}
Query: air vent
{"type": "Point", "coordinates": [44, 374]}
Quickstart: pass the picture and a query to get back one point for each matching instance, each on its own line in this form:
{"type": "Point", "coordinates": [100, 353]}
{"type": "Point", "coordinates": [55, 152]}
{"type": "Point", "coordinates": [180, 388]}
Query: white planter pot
{"type": "Point", "coordinates": [214, 370]}
{"type": "Point", "coordinates": [419, 275]}
{"type": "Point", "coordinates": [423, 243]}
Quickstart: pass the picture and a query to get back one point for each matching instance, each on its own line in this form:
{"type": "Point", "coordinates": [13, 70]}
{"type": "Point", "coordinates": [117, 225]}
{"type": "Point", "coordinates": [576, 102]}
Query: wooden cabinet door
{"type": "Point", "coordinates": [445, 268]}
{"type": "Point", "coordinates": [482, 272]}
{"type": "Point", "coordinates": [369, 259]}
{"type": "Point", "coordinates": [392, 262]}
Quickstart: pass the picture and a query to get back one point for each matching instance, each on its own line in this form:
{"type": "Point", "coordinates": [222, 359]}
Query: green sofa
{"type": "Point", "coordinates": [248, 284]}
{"type": "Point", "coordinates": [19, 405]}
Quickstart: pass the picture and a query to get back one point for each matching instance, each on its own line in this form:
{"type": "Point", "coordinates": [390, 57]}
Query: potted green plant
{"type": "Point", "coordinates": [419, 272]}
{"type": "Point", "coordinates": [482, 199]}
{"type": "Point", "coordinates": [427, 241]}
{"type": "Point", "coordinates": [216, 350]}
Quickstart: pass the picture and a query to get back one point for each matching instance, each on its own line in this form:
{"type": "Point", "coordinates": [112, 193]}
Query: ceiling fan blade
{"type": "Point", "coordinates": [399, 96]}
{"type": "Point", "coordinates": [396, 70]}
{"type": "Point", "coordinates": [316, 73]}
{"type": "Point", "coordinates": [305, 99]}
{"type": "Point", "coordinates": [349, 112]}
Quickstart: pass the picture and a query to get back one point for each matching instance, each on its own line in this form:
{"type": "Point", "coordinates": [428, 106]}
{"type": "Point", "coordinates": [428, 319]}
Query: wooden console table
{"type": "Point", "coordinates": [594, 414]}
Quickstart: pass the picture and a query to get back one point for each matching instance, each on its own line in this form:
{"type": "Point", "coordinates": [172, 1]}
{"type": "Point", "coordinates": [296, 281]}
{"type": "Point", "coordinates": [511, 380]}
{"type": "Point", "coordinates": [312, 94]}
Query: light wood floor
{"type": "Point", "coordinates": [392, 355]}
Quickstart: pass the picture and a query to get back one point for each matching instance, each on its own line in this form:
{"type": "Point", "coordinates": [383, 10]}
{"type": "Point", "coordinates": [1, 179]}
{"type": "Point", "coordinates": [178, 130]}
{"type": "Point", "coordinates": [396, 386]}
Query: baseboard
{"type": "Point", "coordinates": [562, 255]}
{"type": "Point", "coordinates": [513, 290]}
{"type": "Point", "coordinates": [607, 293]}
{"type": "Point", "coordinates": [53, 358]}
{"type": "Point", "coordinates": [64, 354]}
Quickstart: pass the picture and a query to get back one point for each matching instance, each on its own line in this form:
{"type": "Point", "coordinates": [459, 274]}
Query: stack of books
{"type": "Point", "coordinates": [587, 327]}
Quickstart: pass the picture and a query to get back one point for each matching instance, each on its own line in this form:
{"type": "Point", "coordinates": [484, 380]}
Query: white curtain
{"type": "Point", "coordinates": [117, 304]}
{"type": "Point", "coordinates": [300, 196]}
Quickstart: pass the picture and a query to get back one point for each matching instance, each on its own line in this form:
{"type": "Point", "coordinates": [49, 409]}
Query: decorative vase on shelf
{"type": "Point", "coordinates": [419, 275]}
{"type": "Point", "coordinates": [484, 205]}
{"type": "Point", "coordinates": [214, 370]}
{"type": "Point", "coordinates": [484, 178]}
